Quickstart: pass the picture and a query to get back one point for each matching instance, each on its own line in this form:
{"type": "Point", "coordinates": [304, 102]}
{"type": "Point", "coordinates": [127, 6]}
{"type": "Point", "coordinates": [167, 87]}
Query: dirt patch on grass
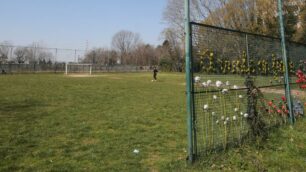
{"type": "Point", "coordinates": [81, 76]}
{"type": "Point", "coordinates": [298, 93]}
{"type": "Point", "coordinates": [86, 76]}
{"type": "Point", "coordinates": [116, 78]}
{"type": "Point", "coordinates": [150, 162]}
{"type": "Point", "coordinates": [89, 141]}
{"type": "Point", "coordinates": [92, 76]}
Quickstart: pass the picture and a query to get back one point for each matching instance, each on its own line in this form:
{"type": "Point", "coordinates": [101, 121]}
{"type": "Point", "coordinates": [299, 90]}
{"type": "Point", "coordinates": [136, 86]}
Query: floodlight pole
{"type": "Point", "coordinates": [285, 60]}
{"type": "Point", "coordinates": [188, 81]}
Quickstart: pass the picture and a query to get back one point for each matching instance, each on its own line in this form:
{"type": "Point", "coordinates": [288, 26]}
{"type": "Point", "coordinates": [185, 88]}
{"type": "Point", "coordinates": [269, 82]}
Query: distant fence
{"type": "Point", "coordinates": [60, 68]}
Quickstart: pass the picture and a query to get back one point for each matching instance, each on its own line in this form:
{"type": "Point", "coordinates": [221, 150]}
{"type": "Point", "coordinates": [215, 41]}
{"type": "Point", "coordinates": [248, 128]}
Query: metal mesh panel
{"type": "Point", "coordinates": [221, 61]}
{"type": "Point", "coordinates": [79, 68]}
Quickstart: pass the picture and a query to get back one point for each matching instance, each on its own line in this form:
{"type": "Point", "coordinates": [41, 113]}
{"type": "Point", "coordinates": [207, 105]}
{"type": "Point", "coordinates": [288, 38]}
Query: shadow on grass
{"type": "Point", "coordinates": [16, 106]}
{"type": "Point", "coordinates": [18, 119]}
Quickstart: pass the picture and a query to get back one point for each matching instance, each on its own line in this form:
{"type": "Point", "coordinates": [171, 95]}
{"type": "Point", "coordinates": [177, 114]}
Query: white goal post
{"type": "Point", "coordinates": [78, 68]}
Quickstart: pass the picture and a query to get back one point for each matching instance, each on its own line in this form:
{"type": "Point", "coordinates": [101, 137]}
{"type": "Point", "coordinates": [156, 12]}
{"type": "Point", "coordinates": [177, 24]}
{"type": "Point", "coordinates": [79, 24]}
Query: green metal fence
{"type": "Point", "coordinates": [221, 61]}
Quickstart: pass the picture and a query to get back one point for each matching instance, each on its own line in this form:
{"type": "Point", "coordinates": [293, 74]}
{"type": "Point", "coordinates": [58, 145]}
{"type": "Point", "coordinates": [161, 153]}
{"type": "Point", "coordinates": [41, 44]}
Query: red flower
{"type": "Point", "coordinates": [279, 111]}
{"type": "Point", "coordinates": [284, 98]}
{"type": "Point", "coordinates": [286, 111]}
{"type": "Point", "coordinates": [270, 103]}
{"type": "Point", "coordinates": [284, 107]}
{"type": "Point", "coordinates": [301, 77]}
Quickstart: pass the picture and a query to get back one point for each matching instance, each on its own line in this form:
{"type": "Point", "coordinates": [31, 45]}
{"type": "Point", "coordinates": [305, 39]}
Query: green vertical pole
{"type": "Point", "coordinates": [188, 81]}
{"type": "Point", "coordinates": [285, 60]}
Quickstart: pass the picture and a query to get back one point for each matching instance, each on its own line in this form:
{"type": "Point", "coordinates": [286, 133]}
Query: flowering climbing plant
{"type": "Point", "coordinates": [211, 62]}
{"type": "Point", "coordinates": [223, 112]}
{"type": "Point", "coordinates": [301, 79]}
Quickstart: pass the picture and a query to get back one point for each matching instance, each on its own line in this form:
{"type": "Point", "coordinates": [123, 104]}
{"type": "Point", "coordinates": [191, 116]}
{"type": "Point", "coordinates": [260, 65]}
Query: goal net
{"type": "Point", "coordinates": [83, 69]}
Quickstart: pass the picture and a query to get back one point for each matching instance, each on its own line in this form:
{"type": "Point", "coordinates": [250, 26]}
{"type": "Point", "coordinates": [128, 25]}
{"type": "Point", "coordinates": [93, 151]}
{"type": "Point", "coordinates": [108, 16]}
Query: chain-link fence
{"type": "Point", "coordinates": [222, 59]}
{"type": "Point", "coordinates": [60, 68]}
{"type": "Point", "coordinates": [39, 55]}
{"type": "Point", "coordinates": [20, 59]}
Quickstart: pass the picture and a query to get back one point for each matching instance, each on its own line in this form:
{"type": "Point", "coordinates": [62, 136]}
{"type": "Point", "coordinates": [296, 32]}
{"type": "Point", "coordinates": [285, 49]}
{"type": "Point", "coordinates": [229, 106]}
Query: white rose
{"type": "Point", "coordinates": [204, 84]}
{"type": "Point", "coordinates": [227, 83]}
{"type": "Point", "coordinates": [218, 84]}
{"type": "Point", "coordinates": [234, 118]}
{"type": "Point", "coordinates": [197, 79]}
{"type": "Point", "coordinates": [205, 107]}
{"type": "Point", "coordinates": [215, 97]}
{"type": "Point", "coordinates": [209, 82]}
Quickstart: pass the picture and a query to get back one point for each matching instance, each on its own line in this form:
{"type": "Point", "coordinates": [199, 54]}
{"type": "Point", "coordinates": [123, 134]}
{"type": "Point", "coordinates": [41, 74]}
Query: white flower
{"type": "Point", "coordinates": [197, 79]}
{"type": "Point", "coordinates": [235, 87]}
{"type": "Point", "coordinates": [234, 118]}
{"type": "Point", "coordinates": [136, 151]}
{"type": "Point", "coordinates": [218, 84]}
{"type": "Point", "coordinates": [227, 119]}
{"type": "Point", "coordinates": [240, 96]}
{"type": "Point", "coordinates": [227, 83]}
{"type": "Point", "coordinates": [224, 91]}
{"type": "Point", "coordinates": [209, 82]}
{"type": "Point", "coordinates": [217, 122]}
{"type": "Point", "coordinates": [236, 109]}
{"type": "Point", "coordinates": [222, 118]}
{"type": "Point", "coordinates": [213, 113]}
{"type": "Point", "coordinates": [205, 107]}
{"type": "Point", "coordinates": [204, 84]}
{"type": "Point", "coordinates": [215, 97]}
{"type": "Point", "coordinates": [246, 115]}
{"type": "Point", "coordinates": [225, 123]}
{"type": "Point", "coordinates": [241, 113]}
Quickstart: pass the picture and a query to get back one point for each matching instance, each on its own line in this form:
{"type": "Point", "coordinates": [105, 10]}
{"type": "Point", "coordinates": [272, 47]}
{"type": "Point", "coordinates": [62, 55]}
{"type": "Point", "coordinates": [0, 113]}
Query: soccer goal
{"type": "Point", "coordinates": [84, 69]}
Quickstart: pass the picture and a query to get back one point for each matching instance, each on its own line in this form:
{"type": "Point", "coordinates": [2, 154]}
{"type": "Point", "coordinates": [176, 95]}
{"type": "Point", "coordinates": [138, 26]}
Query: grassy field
{"type": "Point", "coordinates": [60, 123]}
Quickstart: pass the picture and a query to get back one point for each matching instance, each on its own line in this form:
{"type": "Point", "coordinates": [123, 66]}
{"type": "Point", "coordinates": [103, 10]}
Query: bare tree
{"type": "Point", "coordinates": [174, 44]}
{"type": "Point", "coordinates": [101, 56]}
{"type": "Point", "coordinates": [4, 51]}
{"type": "Point", "coordinates": [20, 54]}
{"type": "Point", "coordinates": [30, 56]}
{"type": "Point", "coordinates": [44, 56]}
{"type": "Point", "coordinates": [258, 16]}
{"type": "Point", "coordinates": [200, 10]}
{"type": "Point", "coordinates": [145, 55]}
{"type": "Point", "coordinates": [125, 42]}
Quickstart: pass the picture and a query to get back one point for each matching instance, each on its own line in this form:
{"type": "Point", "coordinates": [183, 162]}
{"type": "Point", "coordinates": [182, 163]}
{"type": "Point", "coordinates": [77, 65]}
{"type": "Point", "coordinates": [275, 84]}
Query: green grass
{"type": "Point", "coordinates": [58, 123]}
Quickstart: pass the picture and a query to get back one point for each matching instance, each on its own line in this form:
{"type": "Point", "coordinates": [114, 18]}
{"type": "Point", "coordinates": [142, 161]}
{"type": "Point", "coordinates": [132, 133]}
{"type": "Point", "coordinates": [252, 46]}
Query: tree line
{"type": "Point", "coordinates": [33, 54]}
{"type": "Point", "coordinates": [254, 16]}
{"type": "Point", "coordinates": [128, 49]}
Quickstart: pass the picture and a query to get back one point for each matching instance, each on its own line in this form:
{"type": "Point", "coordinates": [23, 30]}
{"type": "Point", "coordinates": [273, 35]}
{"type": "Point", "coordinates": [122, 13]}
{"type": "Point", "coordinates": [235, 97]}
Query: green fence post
{"type": "Point", "coordinates": [285, 60]}
{"type": "Point", "coordinates": [188, 81]}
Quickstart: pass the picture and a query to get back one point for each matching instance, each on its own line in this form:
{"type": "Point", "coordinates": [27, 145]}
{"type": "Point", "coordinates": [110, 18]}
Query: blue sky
{"type": "Point", "coordinates": [69, 23]}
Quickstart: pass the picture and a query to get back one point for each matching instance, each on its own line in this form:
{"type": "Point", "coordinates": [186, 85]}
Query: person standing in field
{"type": "Point", "coordinates": [155, 71]}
